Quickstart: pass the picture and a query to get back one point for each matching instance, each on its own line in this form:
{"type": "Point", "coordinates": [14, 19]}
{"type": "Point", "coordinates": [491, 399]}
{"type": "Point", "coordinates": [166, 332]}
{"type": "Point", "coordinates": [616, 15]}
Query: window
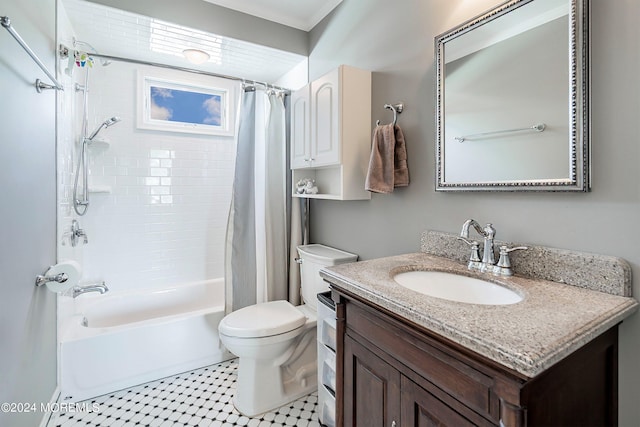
{"type": "Point", "coordinates": [185, 107]}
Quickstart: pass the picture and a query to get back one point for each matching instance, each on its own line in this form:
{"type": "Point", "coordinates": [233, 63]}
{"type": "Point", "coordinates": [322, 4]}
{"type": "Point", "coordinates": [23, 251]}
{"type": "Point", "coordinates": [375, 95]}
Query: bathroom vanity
{"type": "Point", "coordinates": [408, 359]}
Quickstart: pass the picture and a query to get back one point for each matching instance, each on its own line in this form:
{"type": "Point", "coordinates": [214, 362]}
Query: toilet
{"type": "Point", "coordinates": [276, 341]}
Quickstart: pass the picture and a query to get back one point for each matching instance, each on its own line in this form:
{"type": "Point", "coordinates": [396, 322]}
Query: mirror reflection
{"type": "Point", "coordinates": [506, 82]}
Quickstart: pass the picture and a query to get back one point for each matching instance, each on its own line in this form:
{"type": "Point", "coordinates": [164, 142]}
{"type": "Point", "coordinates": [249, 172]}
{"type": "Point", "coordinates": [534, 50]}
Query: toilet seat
{"type": "Point", "coordinates": [262, 320]}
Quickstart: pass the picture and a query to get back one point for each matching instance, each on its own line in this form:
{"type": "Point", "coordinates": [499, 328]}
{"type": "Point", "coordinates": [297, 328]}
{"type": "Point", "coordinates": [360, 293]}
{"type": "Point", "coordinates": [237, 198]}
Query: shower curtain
{"type": "Point", "coordinates": [256, 257]}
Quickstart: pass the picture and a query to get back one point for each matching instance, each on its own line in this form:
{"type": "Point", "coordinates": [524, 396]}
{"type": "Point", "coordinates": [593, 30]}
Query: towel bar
{"type": "Point", "coordinates": [539, 127]}
{"type": "Point", "coordinates": [396, 108]}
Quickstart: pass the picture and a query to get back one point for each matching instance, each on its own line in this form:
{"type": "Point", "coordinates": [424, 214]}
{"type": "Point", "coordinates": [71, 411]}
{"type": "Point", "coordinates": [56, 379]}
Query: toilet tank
{"type": "Point", "coordinates": [312, 258]}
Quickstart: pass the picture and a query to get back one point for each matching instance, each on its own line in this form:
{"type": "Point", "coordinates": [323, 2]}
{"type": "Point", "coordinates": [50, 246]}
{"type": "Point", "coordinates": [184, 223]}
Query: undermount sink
{"type": "Point", "coordinates": [455, 287]}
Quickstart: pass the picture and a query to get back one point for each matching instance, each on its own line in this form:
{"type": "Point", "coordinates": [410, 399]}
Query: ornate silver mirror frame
{"type": "Point", "coordinates": [487, 155]}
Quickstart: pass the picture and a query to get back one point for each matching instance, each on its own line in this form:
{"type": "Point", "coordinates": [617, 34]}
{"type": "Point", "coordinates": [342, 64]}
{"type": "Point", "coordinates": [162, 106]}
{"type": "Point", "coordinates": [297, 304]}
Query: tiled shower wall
{"type": "Point", "coordinates": [69, 121]}
{"type": "Point", "coordinates": [160, 199]}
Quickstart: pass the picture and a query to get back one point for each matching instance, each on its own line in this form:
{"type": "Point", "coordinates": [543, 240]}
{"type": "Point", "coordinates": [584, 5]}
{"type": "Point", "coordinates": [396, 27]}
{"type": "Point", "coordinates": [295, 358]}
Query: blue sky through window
{"type": "Point", "coordinates": [185, 107]}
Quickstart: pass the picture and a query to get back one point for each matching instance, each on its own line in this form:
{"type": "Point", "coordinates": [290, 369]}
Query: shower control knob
{"type": "Point", "coordinates": [77, 233]}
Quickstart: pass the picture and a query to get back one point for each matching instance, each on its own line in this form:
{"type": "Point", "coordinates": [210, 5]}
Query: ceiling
{"type": "Point", "coordinates": [115, 32]}
{"type": "Point", "coordinates": [301, 14]}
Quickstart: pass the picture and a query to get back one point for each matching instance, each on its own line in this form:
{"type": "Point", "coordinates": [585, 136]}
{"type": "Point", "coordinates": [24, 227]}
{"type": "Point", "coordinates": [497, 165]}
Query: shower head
{"type": "Point", "coordinates": [112, 121]}
{"type": "Point", "coordinates": [109, 122]}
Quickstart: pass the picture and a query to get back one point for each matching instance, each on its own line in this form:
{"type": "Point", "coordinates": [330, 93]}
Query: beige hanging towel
{"type": "Point", "coordinates": [388, 163]}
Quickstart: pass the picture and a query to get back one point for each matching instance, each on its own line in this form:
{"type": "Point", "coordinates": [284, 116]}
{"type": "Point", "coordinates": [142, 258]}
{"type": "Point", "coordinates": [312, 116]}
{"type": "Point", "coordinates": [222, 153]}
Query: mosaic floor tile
{"type": "Point", "coordinates": [200, 398]}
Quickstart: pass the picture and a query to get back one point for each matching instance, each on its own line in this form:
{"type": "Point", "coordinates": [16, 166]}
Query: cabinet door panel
{"type": "Point", "coordinates": [460, 380]}
{"type": "Point", "coordinates": [325, 120]}
{"type": "Point", "coordinates": [300, 129]}
{"type": "Point", "coordinates": [372, 387]}
{"type": "Point", "coordinates": [422, 409]}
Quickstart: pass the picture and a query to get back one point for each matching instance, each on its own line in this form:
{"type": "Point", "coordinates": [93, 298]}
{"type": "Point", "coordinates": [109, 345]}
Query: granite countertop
{"type": "Point", "coordinates": [551, 322]}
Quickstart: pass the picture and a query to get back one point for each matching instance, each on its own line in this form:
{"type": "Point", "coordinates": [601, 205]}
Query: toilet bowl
{"type": "Point", "coordinates": [276, 341]}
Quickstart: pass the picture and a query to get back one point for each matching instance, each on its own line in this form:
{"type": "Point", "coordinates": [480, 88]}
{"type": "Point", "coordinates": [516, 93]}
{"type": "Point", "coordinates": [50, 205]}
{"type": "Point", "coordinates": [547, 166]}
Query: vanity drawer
{"type": "Point", "coordinates": [422, 359]}
{"type": "Point", "coordinates": [326, 325]}
{"type": "Point", "coordinates": [327, 332]}
{"type": "Point", "coordinates": [326, 407]}
{"type": "Point", "coordinates": [327, 366]}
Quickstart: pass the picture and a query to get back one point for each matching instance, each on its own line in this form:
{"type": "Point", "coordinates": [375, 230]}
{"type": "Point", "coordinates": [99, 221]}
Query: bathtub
{"type": "Point", "coordinates": [118, 340]}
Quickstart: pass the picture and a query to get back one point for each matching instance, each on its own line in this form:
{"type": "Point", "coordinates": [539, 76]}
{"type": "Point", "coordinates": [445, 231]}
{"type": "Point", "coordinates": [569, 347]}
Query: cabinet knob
{"type": "Point", "coordinates": [393, 423]}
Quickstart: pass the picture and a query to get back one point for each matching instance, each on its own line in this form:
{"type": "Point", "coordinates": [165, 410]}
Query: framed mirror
{"type": "Point", "coordinates": [512, 99]}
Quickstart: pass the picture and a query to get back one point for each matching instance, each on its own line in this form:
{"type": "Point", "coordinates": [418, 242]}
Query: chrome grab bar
{"type": "Point", "coordinates": [539, 127]}
{"type": "Point", "coordinates": [6, 23]}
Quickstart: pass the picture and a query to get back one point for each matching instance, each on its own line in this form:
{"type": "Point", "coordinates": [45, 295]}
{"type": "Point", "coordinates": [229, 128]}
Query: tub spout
{"type": "Point", "coordinates": [94, 287]}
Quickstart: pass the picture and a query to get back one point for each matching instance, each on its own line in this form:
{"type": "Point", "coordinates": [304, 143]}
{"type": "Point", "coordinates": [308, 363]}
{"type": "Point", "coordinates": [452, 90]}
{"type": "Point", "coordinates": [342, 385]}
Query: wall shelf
{"type": "Point", "coordinates": [100, 189]}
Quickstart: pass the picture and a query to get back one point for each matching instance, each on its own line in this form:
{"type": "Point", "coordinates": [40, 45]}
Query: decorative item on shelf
{"type": "Point", "coordinates": [306, 186]}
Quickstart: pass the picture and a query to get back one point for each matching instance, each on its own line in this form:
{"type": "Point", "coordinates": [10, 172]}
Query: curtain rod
{"type": "Point", "coordinates": [188, 70]}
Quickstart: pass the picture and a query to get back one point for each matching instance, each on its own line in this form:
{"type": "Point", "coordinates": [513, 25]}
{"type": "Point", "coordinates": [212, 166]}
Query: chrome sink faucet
{"type": "Point", "coordinates": [488, 255]}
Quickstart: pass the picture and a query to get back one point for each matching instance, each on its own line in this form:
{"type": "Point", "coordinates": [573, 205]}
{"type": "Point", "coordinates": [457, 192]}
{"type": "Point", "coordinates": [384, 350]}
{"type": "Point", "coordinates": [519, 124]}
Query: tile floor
{"type": "Point", "coordinates": [197, 398]}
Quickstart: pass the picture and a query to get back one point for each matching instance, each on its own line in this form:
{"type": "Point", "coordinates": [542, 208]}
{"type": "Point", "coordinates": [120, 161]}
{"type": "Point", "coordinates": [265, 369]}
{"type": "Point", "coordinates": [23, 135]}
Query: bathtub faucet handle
{"type": "Point", "coordinates": [76, 233]}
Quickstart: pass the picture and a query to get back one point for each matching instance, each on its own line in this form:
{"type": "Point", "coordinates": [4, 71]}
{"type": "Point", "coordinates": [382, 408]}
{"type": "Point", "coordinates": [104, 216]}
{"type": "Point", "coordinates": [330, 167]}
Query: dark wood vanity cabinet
{"type": "Point", "coordinates": [392, 373]}
{"type": "Point", "coordinates": [383, 396]}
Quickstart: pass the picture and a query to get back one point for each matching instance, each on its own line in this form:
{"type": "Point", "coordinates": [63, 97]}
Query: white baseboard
{"type": "Point", "coordinates": [47, 416]}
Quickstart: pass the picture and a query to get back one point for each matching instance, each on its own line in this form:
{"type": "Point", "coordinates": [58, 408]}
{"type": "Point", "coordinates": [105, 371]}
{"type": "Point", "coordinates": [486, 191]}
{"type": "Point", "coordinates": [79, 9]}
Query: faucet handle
{"type": "Point", "coordinates": [76, 233]}
{"type": "Point", "coordinates": [503, 268]}
{"type": "Point", "coordinates": [474, 258]}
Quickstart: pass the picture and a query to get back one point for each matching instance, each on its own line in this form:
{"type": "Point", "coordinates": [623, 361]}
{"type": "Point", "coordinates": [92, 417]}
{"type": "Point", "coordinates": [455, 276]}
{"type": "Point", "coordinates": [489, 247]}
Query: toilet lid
{"type": "Point", "coordinates": [262, 320]}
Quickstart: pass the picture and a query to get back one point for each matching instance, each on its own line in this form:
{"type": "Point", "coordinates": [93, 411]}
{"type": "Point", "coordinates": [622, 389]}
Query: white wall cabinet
{"type": "Point", "coordinates": [300, 128]}
{"type": "Point", "coordinates": [331, 134]}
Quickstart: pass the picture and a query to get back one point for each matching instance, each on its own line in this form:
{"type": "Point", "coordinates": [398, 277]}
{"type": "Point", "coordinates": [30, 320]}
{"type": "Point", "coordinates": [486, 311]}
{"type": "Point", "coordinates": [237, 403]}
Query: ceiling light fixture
{"type": "Point", "coordinates": [196, 56]}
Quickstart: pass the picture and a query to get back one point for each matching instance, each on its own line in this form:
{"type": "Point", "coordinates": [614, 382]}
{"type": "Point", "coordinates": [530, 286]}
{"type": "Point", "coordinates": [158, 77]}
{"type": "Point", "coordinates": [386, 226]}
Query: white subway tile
{"type": "Point", "coordinates": [165, 220]}
{"type": "Point", "coordinates": [160, 154]}
{"type": "Point", "coordinates": [159, 172]}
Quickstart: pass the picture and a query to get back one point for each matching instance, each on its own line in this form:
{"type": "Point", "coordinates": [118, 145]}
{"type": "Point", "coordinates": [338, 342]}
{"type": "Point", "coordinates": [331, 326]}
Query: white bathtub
{"type": "Point", "coordinates": [114, 341]}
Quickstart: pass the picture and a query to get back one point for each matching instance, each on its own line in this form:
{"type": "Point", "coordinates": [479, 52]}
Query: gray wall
{"type": "Point", "coordinates": [395, 41]}
{"type": "Point", "coordinates": [27, 212]}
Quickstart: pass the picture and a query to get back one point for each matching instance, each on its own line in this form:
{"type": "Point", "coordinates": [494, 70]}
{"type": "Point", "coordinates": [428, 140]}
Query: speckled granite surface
{"type": "Point", "coordinates": [551, 322]}
{"type": "Point", "coordinates": [597, 272]}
